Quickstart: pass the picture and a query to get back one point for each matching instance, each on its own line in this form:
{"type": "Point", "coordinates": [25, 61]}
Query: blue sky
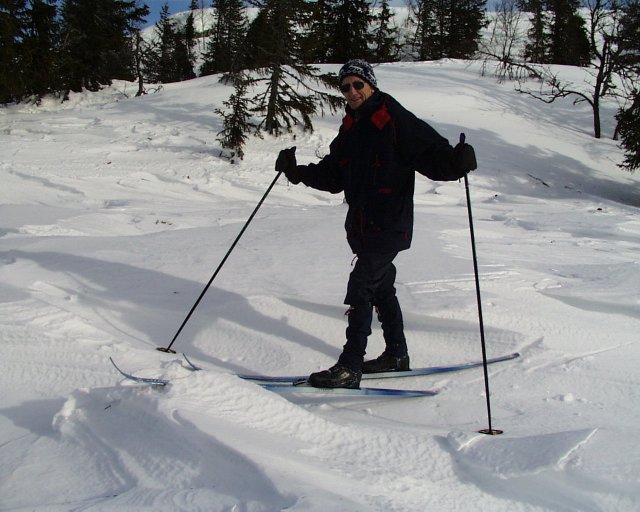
{"type": "Point", "coordinates": [174, 7]}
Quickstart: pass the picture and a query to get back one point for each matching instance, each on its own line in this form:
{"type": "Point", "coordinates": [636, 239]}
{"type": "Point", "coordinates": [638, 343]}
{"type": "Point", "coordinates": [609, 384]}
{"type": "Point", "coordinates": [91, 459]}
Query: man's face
{"type": "Point", "coordinates": [356, 91]}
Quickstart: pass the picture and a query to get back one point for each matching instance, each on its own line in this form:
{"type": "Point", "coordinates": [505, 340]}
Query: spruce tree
{"type": "Point", "coordinates": [168, 59]}
{"type": "Point", "coordinates": [569, 44]}
{"type": "Point", "coordinates": [125, 57]}
{"type": "Point", "coordinates": [38, 59]}
{"type": "Point", "coordinates": [190, 36]}
{"type": "Point", "coordinates": [629, 40]}
{"type": "Point", "coordinates": [429, 18]}
{"type": "Point", "coordinates": [96, 41]}
{"type": "Point", "coordinates": [290, 96]}
{"type": "Point", "coordinates": [318, 42]}
{"type": "Point", "coordinates": [385, 35]}
{"type": "Point", "coordinates": [536, 49]}
{"type": "Point", "coordinates": [184, 58]}
{"type": "Point", "coordinates": [349, 28]}
{"type": "Point", "coordinates": [629, 130]}
{"type": "Point", "coordinates": [236, 118]}
{"type": "Point", "coordinates": [12, 30]}
{"type": "Point", "coordinates": [467, 19]}
{"type": "Point", "coordinates": [261, 43]}
{"type": "Point", "coordinates": [226, 45]}
{"type": "Point", "coordinates": [159, 58]}
{"type": "Point", "coordinates": [448, 28]}
{"type": "Point", "coordinates": [629, 118]}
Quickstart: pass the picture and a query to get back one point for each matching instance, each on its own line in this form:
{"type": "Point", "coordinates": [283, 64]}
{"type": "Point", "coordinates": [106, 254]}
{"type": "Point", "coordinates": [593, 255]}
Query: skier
{"type": "Point", "coordinates": [373, 160]}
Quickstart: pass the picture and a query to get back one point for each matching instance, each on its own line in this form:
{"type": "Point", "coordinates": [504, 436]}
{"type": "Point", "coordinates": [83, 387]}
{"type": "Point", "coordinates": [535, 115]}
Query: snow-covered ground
{"type": "Point", "coordinates": [114, 214]}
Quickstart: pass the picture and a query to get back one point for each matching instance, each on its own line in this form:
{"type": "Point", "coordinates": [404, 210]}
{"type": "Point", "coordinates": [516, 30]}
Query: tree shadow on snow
{"type": "Point", "coordinates": [533, 171]}
{"type": "Point", "coordinates": [150, 305]}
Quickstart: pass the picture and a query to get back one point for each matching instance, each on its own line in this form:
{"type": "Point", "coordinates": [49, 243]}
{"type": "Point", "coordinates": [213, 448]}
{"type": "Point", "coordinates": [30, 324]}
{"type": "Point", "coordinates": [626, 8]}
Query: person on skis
{"type": "Point", "coordinates": [373, 160]}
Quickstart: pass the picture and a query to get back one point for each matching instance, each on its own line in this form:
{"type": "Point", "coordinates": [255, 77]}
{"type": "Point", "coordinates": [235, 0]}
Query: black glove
{"type": "Point", "coordinates": [286, 163]}
{"type": "Point", "coordinates": [465, 156]}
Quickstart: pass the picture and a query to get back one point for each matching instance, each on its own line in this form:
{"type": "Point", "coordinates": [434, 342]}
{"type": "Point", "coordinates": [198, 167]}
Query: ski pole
{"type": "Point", "coordinates": [490, 430]}
{"type": "Point", "coordinates": [226, 256]}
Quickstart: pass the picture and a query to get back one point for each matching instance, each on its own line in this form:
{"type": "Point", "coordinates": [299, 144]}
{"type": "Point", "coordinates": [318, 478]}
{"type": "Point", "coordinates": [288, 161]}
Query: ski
{"type": "Point", "coordinates": [192, 366]}
{"type": "Point", "coordinates": [430, 370]}
{"type": "Point", "coordinates": [300, 387]}
{"type": "Point", "coordinates": [304, 387]}
{"type": "Point", "coordinates": [142, 380]}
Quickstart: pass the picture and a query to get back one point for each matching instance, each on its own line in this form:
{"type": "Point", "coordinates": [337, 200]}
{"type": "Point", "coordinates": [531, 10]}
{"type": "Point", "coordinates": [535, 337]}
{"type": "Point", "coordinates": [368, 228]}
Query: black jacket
{"type": "Point", "coordinates": [373, 160]}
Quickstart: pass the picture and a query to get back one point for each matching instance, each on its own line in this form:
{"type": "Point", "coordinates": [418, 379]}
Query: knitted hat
{"type": "Point", "coordinates": [360, 68]}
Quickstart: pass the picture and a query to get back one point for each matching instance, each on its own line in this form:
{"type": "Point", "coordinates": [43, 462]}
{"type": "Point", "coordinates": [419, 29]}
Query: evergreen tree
{"type": "Point", "coordinates": [236, 119]}
{"type": "Point", "coordinates": [289, 97]}
{"type": "Point", "coordinates": [385, 35]}
{"type": "Point", "coordinates": [349, 28]}
{"type": "Point", "coordinates": [226, 46]}
{"type": "Point", "coordinates": [629, 39]}
{"type": "Point", "coordinates": [184, 59]}
{"type": "Point", "coordinates": [168, 59]}
{"type": "Point", "coordinates": [467, 20]}
{"type": "Point", "coordinates": [537, 47]}
{"type": "Point", "coordinates": [318, 42]}
{"type": "Point", "coordinates": [569, 44]}
{"type": "Point", "coordinates": [160, 62]}
{"type": "Point", "coordinates": [448, 28]}
{"type": "Point", "coordinates": [261, 43]}
{"type": "Point", "coordinates": [12, 29]}
{"type": "Point", "coordinates": [38, 60]}
{"type": "Point", "coordinates": [558, 33]}
{"type": "Point", "coordinates": [629, 130]}
{"type": "Point", "coordinates": [96, 41]}
{"type": "Point", "coordinates": [125, 55]}
{"type": "Point", "coordinates": [190, 32]}
{"type": "Point", "coordinates": [629, 119]}
{"type": "Point", "coordinates": [427, 42]}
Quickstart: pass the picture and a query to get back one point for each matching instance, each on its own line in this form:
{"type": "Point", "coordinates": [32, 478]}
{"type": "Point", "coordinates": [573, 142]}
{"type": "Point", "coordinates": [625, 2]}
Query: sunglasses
{"type": "Point", "coordinates": [358, 86]}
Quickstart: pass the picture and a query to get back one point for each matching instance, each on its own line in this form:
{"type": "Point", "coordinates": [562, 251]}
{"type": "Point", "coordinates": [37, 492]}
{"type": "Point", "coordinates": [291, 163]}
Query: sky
{"type": "Point", "coordinates": [174, 7]}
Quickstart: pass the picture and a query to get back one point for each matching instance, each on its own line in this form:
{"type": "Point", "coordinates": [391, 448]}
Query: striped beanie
{"type": "Point", "coordinates": [360, 68]}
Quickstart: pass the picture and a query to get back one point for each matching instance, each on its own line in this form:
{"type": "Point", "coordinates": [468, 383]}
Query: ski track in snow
{"type": "Point", "coordinates": [113, 216]}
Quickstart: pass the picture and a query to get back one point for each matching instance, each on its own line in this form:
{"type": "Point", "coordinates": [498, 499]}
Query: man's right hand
{"type": "Point", "coordinates": [286, 163]}
{"type": "Point", "coordinates": [464, 155]}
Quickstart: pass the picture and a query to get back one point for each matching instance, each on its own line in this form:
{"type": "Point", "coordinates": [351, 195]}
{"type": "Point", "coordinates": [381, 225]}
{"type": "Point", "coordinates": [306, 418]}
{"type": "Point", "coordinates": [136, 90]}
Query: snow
{"type": "Point", "coordinates": [114, 213]}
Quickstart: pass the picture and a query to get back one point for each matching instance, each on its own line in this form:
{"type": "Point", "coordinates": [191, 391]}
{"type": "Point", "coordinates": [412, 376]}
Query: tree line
{"type": "Point", "coordinates": [49, 47]}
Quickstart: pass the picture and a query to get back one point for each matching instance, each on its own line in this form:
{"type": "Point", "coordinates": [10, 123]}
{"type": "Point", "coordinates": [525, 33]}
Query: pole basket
{"type": "Point", "coordinates": [491, 431]}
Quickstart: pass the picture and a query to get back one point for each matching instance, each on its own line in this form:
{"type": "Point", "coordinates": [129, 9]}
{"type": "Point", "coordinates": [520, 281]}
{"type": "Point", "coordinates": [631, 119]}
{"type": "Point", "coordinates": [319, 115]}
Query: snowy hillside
{"type": "Point", "coordinates": [114, 213]}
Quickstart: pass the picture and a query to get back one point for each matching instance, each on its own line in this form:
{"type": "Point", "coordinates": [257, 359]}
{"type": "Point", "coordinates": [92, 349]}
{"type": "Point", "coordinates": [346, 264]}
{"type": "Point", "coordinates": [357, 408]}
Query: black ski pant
{"type": "Point", "coordinates": [371, 284]}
